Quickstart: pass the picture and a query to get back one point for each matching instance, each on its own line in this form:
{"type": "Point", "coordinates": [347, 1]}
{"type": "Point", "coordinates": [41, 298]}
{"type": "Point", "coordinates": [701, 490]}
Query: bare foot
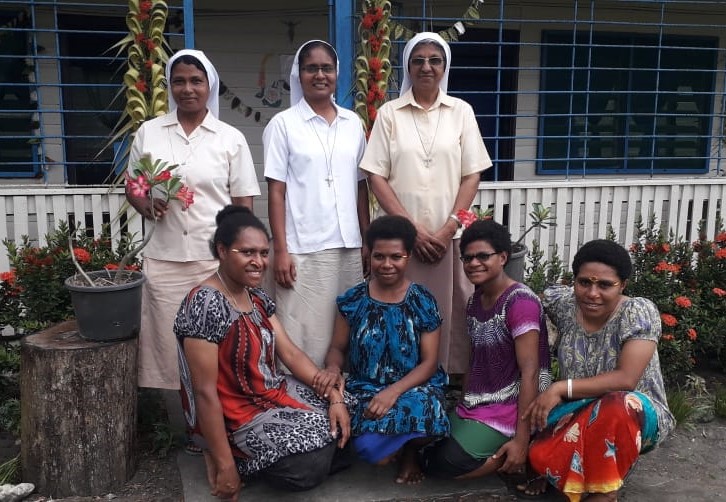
{"type": "Point", "coordinates": [534, 487]}
{"type": "Point", "coordinates": [409, 470]}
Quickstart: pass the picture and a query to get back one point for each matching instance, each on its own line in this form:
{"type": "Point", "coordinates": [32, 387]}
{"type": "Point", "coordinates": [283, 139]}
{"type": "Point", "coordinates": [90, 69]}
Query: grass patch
{"type": "Point", "coordinates": [682, 408]}
{"type": "Point", "coordinates": [719, 401]}
{"type": "Point", "coordinates": [10, 471]}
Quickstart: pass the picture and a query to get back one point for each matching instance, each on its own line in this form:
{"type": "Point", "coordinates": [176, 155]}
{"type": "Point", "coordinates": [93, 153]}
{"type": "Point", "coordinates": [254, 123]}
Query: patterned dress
{"type": "Point", "coordinates": [590, 445]}
{"type": "Point", "coordinates": [384, 347]}
{"type": "Point", "coordinates": [492, 391]}
{"type": "Point", "coordinates": [268, 416]}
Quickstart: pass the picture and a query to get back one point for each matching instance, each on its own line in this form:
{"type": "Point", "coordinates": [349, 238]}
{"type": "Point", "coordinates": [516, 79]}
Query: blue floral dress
{"type": "Point", "coordinates": [384, 347]}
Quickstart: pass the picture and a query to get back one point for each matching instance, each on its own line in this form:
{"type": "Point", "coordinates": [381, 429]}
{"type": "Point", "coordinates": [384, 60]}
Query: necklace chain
{"type": "Point", "coordinates": [328, 158]}
{"type": "Point", "coordinates": [226, 290]}
{"type": "Point", "coordinates": [427, 159]}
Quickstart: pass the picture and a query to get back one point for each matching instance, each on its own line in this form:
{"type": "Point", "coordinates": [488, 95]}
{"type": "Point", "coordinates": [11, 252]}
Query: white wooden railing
{"type": "Point", "coordinates": [583, 208]}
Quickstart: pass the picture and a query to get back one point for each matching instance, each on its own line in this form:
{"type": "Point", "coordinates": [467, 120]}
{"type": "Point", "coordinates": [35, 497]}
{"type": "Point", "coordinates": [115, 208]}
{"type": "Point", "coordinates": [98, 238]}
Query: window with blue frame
{"type": "Point", "coordinates": [625, 103]}
{"type": "Point", "coordinates": [17, 103]}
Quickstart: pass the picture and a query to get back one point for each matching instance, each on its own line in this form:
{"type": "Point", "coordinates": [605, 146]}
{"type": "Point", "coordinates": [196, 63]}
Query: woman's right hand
{"type": "Point", "coordinates": [326, 380]}
{"type": "Point", "coordinates": [539, 409]}
{"type": "Point", "coordinates": [227, 483]}
{"type": "Point", "coordinates": [284, 268]}
{"type": "Point", "coordinates": [143, 206]}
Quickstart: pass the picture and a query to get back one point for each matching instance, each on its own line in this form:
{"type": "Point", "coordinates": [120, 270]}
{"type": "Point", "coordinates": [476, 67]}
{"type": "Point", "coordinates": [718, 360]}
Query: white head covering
{"type": "Point", "coordinates": [296, 92]}
{"type": "Point", "coordinates": [428, 37]}
{"type": "Point", "coordinates": [212, 77]}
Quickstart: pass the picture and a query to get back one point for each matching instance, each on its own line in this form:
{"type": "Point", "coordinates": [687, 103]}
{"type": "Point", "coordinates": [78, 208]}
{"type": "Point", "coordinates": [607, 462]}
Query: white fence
{"type": "Point", "coordinates": [583, 209]}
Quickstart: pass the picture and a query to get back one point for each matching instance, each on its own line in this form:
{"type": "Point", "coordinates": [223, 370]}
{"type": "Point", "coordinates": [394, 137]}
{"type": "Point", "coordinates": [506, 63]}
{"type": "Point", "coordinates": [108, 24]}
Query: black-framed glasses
{"type": "Point", "coordinates": [603, 284]}
{"type": "Point", "coordinates": [313, 69]}
{"type": "Point", "coordinates": [481, 257]}
{"type": "Point", "coordinates": [433, 61]}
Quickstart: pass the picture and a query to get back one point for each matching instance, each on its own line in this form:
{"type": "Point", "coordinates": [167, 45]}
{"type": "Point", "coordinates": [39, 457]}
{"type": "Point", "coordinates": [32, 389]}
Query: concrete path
{"type": "Point", "coordinates": [689, 466]}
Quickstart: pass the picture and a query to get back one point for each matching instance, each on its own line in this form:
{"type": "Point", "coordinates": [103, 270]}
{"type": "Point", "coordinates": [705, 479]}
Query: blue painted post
{"type": "Point", "coordinates": [342, 38]}
{"type": "Point", "coordinates": [188, 6]}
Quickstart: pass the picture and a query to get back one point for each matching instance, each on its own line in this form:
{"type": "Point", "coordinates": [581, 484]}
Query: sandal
{"type": "Point", "coordinates": [191, 448]}
{"type": "Point", "coordinates": [543, 489]}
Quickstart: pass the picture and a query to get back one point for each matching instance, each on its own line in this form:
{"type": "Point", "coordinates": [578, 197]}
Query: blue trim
{"type": "Point", "coordinates": [188, 6]}
{"type": "Point", "coordinates": [340, 26]}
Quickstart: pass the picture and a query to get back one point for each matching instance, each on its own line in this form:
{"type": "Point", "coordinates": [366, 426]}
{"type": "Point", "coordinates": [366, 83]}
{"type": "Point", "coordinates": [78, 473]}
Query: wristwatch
{"type": "Point", "coordinates": [456, 219]}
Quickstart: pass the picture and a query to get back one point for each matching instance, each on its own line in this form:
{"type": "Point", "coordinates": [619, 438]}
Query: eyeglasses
{"type": "Point", "coordinates": [249, 253]}
{"type": "Point", "coordinates": [433, 61]}
{"type": "Point", "coordinates": [313, 69]}
{"type": "Point", "coordinates": [481, 257]}
{"type": "Point", "coordinates": [393, 257]}
{"type": "Point", "coordinates": [602, 284]}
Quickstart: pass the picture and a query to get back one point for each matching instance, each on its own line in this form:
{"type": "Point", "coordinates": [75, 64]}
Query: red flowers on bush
{"type": "Point", "coordinates": [683, 301]}
{"type": "Point", "coordinates": [669, 320]}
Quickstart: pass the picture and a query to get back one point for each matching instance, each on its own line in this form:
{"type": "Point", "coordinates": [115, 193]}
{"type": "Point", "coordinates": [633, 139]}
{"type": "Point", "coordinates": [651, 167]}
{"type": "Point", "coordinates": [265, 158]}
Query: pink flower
{"type": "Point", "coordinates": [466, 217]}
{"type": "Point", "coordinates": [138, 186]}
{"type": "Point", "coordinates": [719, 292]}
{"type": "Point", "coordinates": [186, 196]}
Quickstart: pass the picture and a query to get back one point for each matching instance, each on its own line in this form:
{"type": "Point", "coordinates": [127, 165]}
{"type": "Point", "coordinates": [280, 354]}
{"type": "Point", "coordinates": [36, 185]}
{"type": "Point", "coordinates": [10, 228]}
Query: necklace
{"type": "Point", "coordinates": [226, 290]}
{"type": "Point", "coordinates": [427, 158]}
{"type": "Point", "coordinates": [328, 158]}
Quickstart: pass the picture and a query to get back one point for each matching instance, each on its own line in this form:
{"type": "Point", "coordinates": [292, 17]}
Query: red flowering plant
{"type": "Point", "coordinates": [34, 285]}
{"type": "Point", "coordinates": [372, 66]}
{"type": "Point", "coordinates": [687, 282]}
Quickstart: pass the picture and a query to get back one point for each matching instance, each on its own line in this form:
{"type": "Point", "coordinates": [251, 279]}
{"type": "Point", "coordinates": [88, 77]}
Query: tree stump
{"type": "Point", "coordinates": [78, 412]}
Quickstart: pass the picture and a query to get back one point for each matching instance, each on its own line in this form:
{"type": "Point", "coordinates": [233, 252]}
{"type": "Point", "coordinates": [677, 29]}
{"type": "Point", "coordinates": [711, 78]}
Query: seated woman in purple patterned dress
{"type": "Point", "coordinates": [508, 364]}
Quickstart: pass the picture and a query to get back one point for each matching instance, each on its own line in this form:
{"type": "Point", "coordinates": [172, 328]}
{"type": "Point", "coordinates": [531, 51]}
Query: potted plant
{"type": "Point", "coordinates": [540, 217]}
{"type": "Point", "coordinates": [107, 303]}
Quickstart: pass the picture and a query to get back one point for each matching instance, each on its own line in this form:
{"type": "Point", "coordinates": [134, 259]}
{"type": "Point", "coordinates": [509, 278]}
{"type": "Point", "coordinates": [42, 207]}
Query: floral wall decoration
{"type": "Point", "coordinates": [373, 64]}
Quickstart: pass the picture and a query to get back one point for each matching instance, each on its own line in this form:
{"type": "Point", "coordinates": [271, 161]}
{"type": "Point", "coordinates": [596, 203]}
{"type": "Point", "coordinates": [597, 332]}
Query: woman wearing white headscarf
{"type": "Point", "coordinates": [318, 200]}
{"type": "Point", "coordinates": [215, 163]}
{"type": "Point", "coordinates": [424, 159]}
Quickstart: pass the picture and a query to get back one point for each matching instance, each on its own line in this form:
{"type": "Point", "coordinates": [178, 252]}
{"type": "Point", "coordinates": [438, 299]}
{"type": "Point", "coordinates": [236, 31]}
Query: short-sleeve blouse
{"type": "Point", "coordinates": [583, 355]}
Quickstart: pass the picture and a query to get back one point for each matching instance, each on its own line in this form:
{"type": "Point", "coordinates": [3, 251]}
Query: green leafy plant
{"type": "Point", "coordinates": [681, 408]}
{"type": "Point", "coordinates": [10, 416]}
{"type": "Point", "coordinates": [539, 217]}
{"type": "Point", "coordinates": [10, 471]}
{"type": "Point", "coordinates": [719, 401]}
{"type": "Point", "coordinates": [542, 273]}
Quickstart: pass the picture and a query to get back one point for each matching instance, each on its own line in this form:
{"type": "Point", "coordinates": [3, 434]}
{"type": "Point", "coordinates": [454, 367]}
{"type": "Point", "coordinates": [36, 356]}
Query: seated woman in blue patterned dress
{"type": "Point", "coordinates": [389, 329]}
{"type": "Point", "coordinates": [251, 419]}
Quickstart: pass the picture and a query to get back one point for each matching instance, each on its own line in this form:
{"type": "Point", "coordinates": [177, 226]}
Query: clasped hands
{"type": "Point", "coordinates": [431, 247]}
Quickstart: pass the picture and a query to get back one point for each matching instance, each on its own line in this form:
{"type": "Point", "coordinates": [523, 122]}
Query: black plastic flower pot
{"type": "Point", "coordinates": [107, 312]}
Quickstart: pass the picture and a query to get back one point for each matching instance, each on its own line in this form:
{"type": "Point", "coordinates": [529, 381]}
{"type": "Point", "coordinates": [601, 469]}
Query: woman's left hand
{"type": "Point", "coordinates": [381, 404]}
{"type": "Point", "coordinates": [514, 453]}
{"type": "Point", "coordinates": [339, 422]}
{"type": "Point", "coordinates": [538, 411]}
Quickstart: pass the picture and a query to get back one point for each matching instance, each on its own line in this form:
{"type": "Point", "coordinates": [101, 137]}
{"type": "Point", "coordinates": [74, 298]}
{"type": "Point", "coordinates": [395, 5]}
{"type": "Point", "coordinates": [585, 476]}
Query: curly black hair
{"type": "Point", "coordinates": [490, 231]}
{"type": "Point", "coordinates": [392, 227]}
{"type": "Point", "coordinates": [607, 252]}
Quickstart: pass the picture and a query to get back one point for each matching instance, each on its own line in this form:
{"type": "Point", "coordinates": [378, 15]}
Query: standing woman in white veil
{"type": "Point", "coordinates": [424, 159]}
{"type": "Point", "coordinates": [214, 161]}
{"type": "Point", "coordinates": [318, 200]}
